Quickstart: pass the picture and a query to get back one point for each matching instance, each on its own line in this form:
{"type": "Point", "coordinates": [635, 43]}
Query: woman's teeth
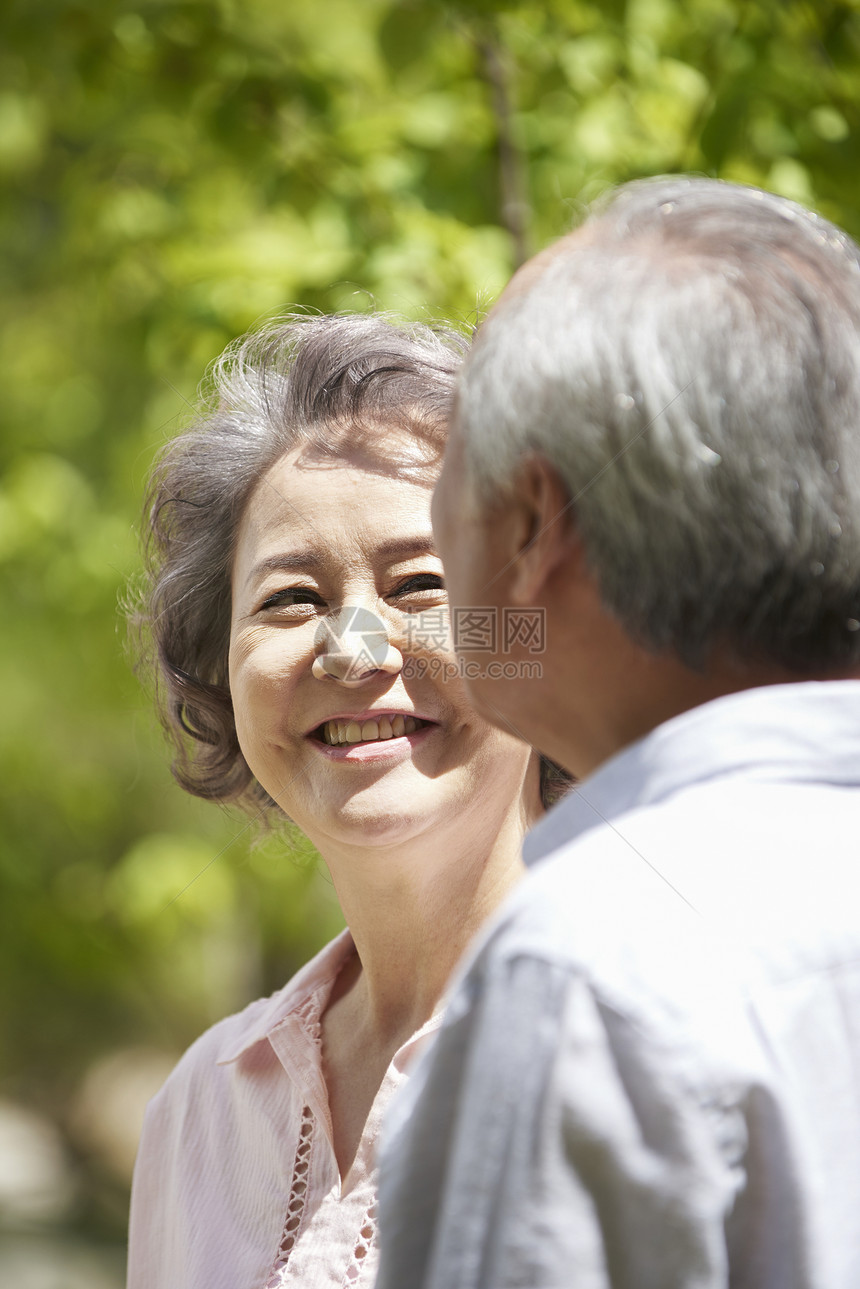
{"type": "Point", "coordinates": [337, 732]}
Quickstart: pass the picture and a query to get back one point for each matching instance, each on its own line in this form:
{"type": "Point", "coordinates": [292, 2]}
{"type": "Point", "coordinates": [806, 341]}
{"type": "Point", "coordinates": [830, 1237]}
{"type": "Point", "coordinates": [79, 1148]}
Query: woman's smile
{"type": "Point", "coordinates": [336, 584]}
{"type": "Point", "coordinates": [379, 725]}
{"type": "Point", "coordinates": [371, 736]}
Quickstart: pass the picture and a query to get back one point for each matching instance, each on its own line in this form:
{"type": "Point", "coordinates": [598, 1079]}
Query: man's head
{"type": "Point", "coordinates": [680, 381]}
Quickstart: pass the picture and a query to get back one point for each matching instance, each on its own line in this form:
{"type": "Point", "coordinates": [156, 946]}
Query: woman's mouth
{"type": "Point", "coordinates": [341, 733]}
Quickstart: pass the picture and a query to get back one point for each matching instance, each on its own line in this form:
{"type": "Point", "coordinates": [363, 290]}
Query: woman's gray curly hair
{"type": "Point", "coordinates": [326, 381]}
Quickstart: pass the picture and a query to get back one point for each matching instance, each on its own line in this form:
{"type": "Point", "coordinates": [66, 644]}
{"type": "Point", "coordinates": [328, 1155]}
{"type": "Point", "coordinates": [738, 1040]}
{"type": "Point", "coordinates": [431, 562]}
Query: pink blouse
{"type": "Point", "coordinates": [236, 1184]}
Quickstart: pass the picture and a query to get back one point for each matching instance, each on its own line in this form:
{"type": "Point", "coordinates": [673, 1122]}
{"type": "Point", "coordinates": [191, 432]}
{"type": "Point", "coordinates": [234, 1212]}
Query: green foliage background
{"type": "Point", "coordinates": [172, 170]}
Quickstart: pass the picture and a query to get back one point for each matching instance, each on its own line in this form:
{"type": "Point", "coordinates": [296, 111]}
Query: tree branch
{"type": "Point", "coordinates": [515, 208]}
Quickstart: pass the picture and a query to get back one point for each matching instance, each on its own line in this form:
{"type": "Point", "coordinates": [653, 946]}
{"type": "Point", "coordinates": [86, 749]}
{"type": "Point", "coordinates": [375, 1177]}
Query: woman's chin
{"type": "Point", "coordinates": [378, 819]}
{"type": "Point", "coordinates": [368, 827]}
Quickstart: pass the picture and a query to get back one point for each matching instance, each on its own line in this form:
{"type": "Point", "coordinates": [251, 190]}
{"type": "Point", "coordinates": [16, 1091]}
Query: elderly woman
{"type": "Point", "coordinates": [296, 609]}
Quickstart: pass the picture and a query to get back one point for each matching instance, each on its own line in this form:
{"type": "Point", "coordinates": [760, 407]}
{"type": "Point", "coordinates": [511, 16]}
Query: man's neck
{"type": "Point", "coordinates": [642, 692]}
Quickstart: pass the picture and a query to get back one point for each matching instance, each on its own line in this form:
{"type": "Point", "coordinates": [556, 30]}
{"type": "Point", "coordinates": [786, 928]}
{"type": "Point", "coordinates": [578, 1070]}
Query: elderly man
{"type": "Point", "coordinates": [649, 1072]}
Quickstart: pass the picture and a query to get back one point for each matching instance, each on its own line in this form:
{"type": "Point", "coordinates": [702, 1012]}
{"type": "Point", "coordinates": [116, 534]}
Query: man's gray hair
{"type": "Point", "coordinates": [690, 365]}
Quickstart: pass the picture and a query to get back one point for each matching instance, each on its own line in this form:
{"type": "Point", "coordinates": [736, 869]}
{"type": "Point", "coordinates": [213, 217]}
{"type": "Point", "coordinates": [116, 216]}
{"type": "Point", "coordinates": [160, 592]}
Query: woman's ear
{"type": "Point", "coordinates": [541, 519]}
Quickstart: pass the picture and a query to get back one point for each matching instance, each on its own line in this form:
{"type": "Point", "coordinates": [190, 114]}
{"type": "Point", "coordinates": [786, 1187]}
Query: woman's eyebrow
{"type": "Point", "coordinates": [407, 547]}
{"type": "Point", "coordinates": [287, 562]}
{"type": "Point", "coordinates": [310, 560]}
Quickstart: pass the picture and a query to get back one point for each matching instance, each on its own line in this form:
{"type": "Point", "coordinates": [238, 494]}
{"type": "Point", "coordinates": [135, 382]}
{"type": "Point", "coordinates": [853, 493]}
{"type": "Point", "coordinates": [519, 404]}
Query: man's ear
{"type": "Point", "coordinates": [545, 530]}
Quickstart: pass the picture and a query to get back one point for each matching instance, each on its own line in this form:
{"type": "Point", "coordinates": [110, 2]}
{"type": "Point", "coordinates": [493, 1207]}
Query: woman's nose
{"type": "Point", "coordinates": [353, 645]}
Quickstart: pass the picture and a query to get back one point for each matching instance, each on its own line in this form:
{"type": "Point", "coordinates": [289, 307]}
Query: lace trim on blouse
{"type": "Point", "coordinates": [296, 1212]}
{"type": "Point", "coordinates": [294, 1223]}
{"type": "Point", "coordinates": [366, 1236]}
{"type": "Point", "coordinates": [296, 1205]}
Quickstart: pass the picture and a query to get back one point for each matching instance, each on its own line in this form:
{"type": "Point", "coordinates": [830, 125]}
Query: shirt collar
{"type": "Point", "coordinates": [808, 732]}
{"type": "Point", "coordinates": [259, 1020]}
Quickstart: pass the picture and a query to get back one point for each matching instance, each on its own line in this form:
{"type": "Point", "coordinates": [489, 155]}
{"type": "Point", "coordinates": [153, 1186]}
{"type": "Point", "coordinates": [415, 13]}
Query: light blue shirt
{"type": "Point", "coordinates": [649, 1072]}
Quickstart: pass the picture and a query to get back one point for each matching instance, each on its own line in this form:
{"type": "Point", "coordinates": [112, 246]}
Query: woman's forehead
{"type": "Point", "coordinates": [309, 504]}
{"type": "Point", "coordinates": [318, 475]}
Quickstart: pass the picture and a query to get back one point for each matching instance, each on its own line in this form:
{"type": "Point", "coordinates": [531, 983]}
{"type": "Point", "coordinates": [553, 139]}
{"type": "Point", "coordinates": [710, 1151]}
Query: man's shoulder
{"type": "Point", "coordinates": [710, 848]}
{"type": "Point", "coordinates": [600, 910]}
{"type": "Point", "coordinates": [712, 892]}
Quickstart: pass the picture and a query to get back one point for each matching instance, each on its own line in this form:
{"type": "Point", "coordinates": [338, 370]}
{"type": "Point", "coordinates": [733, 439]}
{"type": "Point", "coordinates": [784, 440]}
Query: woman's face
{"type": "Point", "coordinates": [347, 703]}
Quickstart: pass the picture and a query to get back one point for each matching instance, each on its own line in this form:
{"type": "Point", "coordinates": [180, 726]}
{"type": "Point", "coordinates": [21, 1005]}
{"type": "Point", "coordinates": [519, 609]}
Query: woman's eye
{"type": "Point", "coordinates": [291, 595]}
{"type": "Point", "coordinates": [413, 586]}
